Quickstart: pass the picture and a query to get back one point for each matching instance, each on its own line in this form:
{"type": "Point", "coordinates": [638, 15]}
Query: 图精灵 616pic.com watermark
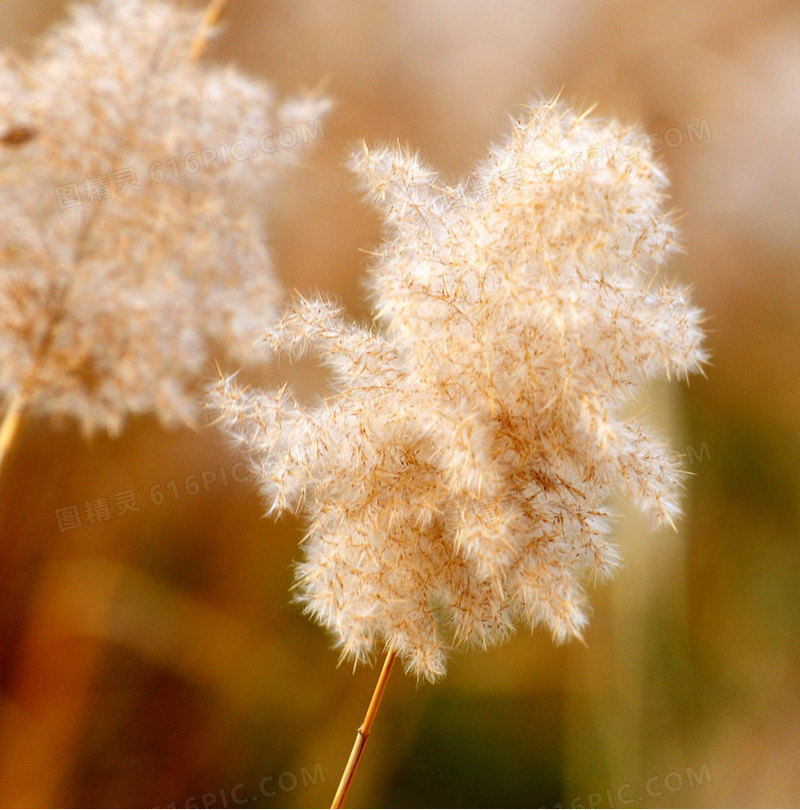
{"type": "Point", "coordinates": [101, 508]}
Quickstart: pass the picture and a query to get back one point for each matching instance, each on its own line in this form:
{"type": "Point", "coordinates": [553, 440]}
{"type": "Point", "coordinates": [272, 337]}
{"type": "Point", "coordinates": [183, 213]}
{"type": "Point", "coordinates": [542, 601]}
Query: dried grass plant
{"type": "Point", "coordinates": [133, 183]}
{"type": "Point", "coordinates": [456, 480]}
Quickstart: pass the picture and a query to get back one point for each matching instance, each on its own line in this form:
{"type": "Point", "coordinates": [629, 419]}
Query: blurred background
{"type": "Point", "coordinates": [154, 657]}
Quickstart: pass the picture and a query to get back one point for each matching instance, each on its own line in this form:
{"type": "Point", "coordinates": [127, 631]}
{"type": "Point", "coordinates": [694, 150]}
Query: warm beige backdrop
{"type": "Point", "coordinates": [155, 658]}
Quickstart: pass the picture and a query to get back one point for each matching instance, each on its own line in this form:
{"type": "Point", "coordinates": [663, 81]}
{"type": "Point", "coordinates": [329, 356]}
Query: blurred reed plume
{"type": "Point", "coordinates": [133, 183]}
{"type": "Point", "coordinates": [457, 477]}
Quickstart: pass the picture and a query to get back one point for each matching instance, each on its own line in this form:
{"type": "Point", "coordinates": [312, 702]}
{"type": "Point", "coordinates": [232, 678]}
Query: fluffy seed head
{"type": "Point", "coordinates": [459, 476]}
{"type": "Point", "coordinates": [133, 182]}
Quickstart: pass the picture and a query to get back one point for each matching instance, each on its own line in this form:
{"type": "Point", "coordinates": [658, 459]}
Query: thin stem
{"type": "Point", "coordinates": [10, 424]}
{"type": "Point", "coordinates": [363, 733]}
{"type": "Point", "coordinates": [210, 19]}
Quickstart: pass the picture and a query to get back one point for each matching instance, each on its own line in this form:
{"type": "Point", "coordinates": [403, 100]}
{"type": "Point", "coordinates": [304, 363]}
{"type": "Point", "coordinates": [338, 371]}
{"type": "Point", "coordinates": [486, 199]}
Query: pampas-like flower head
{"type": "Point", "coordinates": [458, 478]}
{"type": "Point", "coordinates": [133, 182]}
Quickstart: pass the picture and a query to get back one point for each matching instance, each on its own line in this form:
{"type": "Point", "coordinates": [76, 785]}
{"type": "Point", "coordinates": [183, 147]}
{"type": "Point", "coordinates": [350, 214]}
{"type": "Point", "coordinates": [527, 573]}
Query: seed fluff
{"type": "Point", "coordinates": [457, 479]}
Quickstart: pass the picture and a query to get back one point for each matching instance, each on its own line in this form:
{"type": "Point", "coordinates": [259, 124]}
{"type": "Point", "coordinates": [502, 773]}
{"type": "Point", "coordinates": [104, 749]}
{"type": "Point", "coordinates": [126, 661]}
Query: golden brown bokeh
{"type": "Point", "coordinates": [154, 657]}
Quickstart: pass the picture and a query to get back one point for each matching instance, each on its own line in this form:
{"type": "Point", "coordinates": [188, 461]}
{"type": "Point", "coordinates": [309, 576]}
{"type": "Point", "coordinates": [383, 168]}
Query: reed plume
{"type": "Point", "coordinates": [133, 183]}
{"type": "Point", "coordinates": [457, 478]}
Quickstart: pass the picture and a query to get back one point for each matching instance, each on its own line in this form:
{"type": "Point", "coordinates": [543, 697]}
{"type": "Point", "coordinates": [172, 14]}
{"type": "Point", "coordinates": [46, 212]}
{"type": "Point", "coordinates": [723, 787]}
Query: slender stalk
{"type": "Point", "coordinates": [363, 733]}
{"type": "Point", "coordinates": [210, 19]}
{"type": "Point", "coordinates": [10, 424]}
